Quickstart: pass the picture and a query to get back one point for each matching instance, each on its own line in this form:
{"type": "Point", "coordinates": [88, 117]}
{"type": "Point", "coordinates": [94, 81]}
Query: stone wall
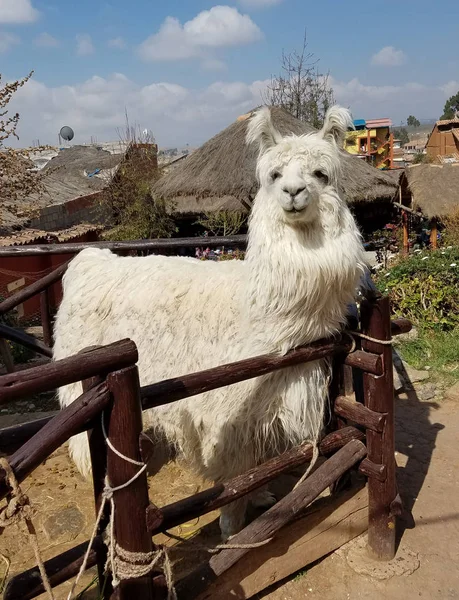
{"type": "Point", "coordinates": [85, 209]}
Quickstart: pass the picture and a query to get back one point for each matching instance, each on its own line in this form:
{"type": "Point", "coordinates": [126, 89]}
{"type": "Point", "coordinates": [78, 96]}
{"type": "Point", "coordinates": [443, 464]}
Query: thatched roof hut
{"type": "Point", "coordinates": [431, 189]}
{"type": "Point", "coordinates": [221, 174]}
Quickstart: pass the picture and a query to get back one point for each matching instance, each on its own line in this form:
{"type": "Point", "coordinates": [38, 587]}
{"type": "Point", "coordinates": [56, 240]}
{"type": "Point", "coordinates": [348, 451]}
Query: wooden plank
{"type": "Point", "coordinates": [330, 523]}
{"type": "Point", "coordinates": [153, 244]}
{"type": "Point", "coordinates": [273, 520]}
{"type": "Point", "coordinates": [93, 361]}
{"type": "Point", "coordinates": [26, 340]}
{"type": "Point", "coordinates": [7, 356]}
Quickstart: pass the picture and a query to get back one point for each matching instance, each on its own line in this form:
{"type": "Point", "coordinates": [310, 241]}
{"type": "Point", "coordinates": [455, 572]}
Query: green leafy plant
{"type": "Point", "coordinates": [223, 222]}
{"type": "Point", "coordinates": [424, 288]}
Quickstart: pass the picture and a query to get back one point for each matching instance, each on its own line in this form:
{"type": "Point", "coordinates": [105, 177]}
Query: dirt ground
{"type": "Point", "coordinates": [428, 474]}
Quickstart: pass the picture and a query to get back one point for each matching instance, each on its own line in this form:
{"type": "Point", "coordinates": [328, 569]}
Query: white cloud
{"type": "Point", "coordinates": [389, 57]}
{"type": "Point", "coordinates": [179, 115]}
{"type": "Point", "coordinates": [117, 43]}
{"type": "Point", "coordinates": [219, 27]}
{"type": "Point", "coordinates": [258, 3]}
{"type": "Point", "coordinates": [393, 101]}
{"type": "Point", "coordinates": [175, 114]}
{"type": "Point", "coordinates": [17, 11]}
{"type": "Point", "coordinates": [7, 41]}
{"type": "Point", "coordinates": [84, 45]}
{"type": "Point", "coordinates": [45, 40]}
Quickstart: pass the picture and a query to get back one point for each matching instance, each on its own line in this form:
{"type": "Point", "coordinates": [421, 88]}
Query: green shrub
{"type": "Point", "coordinates": [424, 287]}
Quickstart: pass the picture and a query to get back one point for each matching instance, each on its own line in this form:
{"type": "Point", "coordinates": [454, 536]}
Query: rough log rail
{"type": "Point", "coordinates": [154, 244]}
{"type": "Point", "coordinates": [269, 523]}
{"type": "Point", "coordinates": [28, 341]}
{"type": "Point", "coordinates": [55, 433]}
{"type": "Point", "coordinates": [66, 565]}
{"type": "Point", "coordinates": [94, 361]}
{"type": "Point", "coordinates": [17, 384]}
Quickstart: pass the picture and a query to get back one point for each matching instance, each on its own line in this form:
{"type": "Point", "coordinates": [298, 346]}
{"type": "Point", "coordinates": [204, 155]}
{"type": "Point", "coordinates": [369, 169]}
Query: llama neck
{"type": "Point", "coordinates": [300, 278]}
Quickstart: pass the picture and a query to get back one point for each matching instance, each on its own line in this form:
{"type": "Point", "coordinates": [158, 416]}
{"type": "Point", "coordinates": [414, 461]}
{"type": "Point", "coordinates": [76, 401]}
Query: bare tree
{"type": "Point", "coordinates": [18, 178]}
{"type": "Point", "coordinates": [301, 88]}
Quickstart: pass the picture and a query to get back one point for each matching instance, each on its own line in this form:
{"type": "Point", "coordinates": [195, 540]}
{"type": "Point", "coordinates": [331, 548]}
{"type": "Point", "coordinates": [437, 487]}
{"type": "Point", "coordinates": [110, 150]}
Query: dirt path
{"type": "Point", "coordinates": [428, 476]}
{"type": "Point", "coordinates": [427, 441]}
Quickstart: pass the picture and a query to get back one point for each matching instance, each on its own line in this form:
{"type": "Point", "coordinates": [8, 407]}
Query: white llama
{"type": "Point", "coordinates": [303, 264]}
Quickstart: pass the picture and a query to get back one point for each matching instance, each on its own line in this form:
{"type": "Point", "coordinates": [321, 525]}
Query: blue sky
{"type": "Point", "coordinates": [186, 69]}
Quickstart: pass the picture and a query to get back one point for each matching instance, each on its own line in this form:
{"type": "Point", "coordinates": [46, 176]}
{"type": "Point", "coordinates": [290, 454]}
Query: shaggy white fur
{"type": "Point", "coordinates": [302, 267]}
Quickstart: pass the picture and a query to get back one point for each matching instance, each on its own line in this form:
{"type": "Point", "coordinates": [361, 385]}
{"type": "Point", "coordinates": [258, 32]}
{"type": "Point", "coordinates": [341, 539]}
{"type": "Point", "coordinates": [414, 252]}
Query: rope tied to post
{"type": "Point", "coordinates": [18, 510]}
{"type": "Point", "coordinates": [122, 563]}
{"type": "Point", "coordinates": [358, 334]}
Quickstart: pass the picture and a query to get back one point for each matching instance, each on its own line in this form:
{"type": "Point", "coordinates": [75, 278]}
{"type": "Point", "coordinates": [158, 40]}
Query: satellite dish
{"type": "Point", "coordinates": [66, 133]}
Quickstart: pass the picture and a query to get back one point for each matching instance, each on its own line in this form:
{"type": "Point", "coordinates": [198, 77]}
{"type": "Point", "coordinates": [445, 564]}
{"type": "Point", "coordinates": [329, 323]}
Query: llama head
{"type": "Point", "coordinates": [297, 172]}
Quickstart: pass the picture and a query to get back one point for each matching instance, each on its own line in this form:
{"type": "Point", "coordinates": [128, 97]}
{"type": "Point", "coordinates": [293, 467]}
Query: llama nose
{"type": "Point", "coordinates": [294, 190]}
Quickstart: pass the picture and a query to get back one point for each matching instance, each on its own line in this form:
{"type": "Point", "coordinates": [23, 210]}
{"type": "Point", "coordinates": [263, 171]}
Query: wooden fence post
{"type": "Point", "coordinates": [98, 450]}
{"type": "Point", "coordinates": [124, 429]}
{"type": "Point", "coordinates": [379, 397]}
{"type": "Point", "coordinates": [46, 318]}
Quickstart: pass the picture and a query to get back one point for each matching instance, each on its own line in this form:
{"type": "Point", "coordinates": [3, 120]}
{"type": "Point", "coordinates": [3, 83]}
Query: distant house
{"type": "Point", "coordinates": [372, 141]}
{"type": "Point", "coordinates": [75, 179]}
{"type": "Point", "coordinates": [443, 143]}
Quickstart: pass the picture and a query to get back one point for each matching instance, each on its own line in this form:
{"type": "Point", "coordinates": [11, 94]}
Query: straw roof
{"type": "Point", "coordinates": [221, 174]}
{"type": "Point", "coordinates": [69, 175]}
{"type": "Point", "coordinates": [434, 188]}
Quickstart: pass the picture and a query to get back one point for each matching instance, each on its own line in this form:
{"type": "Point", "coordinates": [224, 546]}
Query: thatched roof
{"type": "Point", "coordinates": [221, 174]}
{"type": "Point", "coordinates": [66, 176]}
{"type": "Point", "coordinates": [434, 188]}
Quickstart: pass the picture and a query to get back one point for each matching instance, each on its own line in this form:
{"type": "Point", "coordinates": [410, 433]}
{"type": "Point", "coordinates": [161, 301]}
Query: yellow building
{"type": "Point", "coordinates": [372, 141]}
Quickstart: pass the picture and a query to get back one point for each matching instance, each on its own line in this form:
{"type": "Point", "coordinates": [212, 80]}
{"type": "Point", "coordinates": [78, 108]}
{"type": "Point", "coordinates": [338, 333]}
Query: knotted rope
{"type": "Point", "coordinates": [18, 510]}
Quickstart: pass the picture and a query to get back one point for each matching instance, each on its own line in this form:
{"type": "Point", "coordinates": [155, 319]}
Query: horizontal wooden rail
{"type": "Point", "coordinates": [398, 326]}
{"type": "Point", "coordinates": [56, 432]}
{"type": "Point", "coordinates": [156, 244]}
{"type": "Point", "coordinates": [28, 585]}
{"type": "Point", "coordinates": [269, 523]}
{"type": "Point", "coordinates": [34, 288]}
{"type": "Point", "coordinates": [219, 495]}
{"type": "Point", "coordinates": [360, 414]}
{"type": "Point", "coordinates": [93, 361]}
{"type": "Point", "coordinates": [66, 565]}
{"type": "Point", "coordinates": [28, 341]}
{"type": "Point", "coordinates": [16, 435]}
{"type": "Point", "coordinates": [177, 388]}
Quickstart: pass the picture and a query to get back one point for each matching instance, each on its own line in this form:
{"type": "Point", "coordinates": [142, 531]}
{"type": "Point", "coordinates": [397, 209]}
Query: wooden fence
{"type": "Point", "coordinates": [363, 437]}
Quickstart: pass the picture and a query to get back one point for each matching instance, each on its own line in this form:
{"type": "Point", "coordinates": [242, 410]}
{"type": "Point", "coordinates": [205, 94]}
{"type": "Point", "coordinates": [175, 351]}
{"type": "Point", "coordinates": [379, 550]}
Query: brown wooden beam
{"type": "Point", "coordinates": [28, 341]}
{"type": "Point", "coordinates": [154, 245]}
{"type": "Point", "coordinates": [215, 497]}
{"type": "Point", "coordinates": [36, 287]}
{"type": "Point", "coordinates": [57, 431]}
{"type": "Point", "coordinates": [267, 525]}
{"type": "Point", "coordinates": [94, 361]}
{"type": "Point", "coordinates": [360, 414]}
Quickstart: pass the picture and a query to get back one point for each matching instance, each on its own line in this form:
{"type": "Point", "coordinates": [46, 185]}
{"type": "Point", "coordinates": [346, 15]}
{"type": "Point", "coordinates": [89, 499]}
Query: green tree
{"type": "Point", "coordinates": [301, 88]}
{"type": "Point", "coordinates": [412, 122]}
{"type": "Point", "coordinates": [401, 134]}
{"type": "Point", "coordinates": [223, 222]}
{"type": "Point", "coordinates": [133, 212]}
{"type": "Point", "coordinates": [451, 107]}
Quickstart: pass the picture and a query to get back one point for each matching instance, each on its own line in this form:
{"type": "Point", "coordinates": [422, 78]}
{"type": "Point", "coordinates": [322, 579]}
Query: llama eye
{"type": "Point", "coordinates": [275, 175]}
{"type": "Point", "coordinates": [321, 175]}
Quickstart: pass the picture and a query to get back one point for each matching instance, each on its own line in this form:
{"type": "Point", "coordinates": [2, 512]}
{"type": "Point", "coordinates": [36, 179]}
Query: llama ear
{"type": "Point", "coordinates": [337, 122]}
{"type": "Point", "coordinates": [262, 131]}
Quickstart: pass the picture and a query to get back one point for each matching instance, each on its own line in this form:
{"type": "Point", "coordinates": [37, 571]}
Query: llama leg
{"type": "Point", "coordinates": [233, 517]}
{"type": "Point", "coordinates": [79, 453]}
{"type": "Point", "coordinates": [262, 498]}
